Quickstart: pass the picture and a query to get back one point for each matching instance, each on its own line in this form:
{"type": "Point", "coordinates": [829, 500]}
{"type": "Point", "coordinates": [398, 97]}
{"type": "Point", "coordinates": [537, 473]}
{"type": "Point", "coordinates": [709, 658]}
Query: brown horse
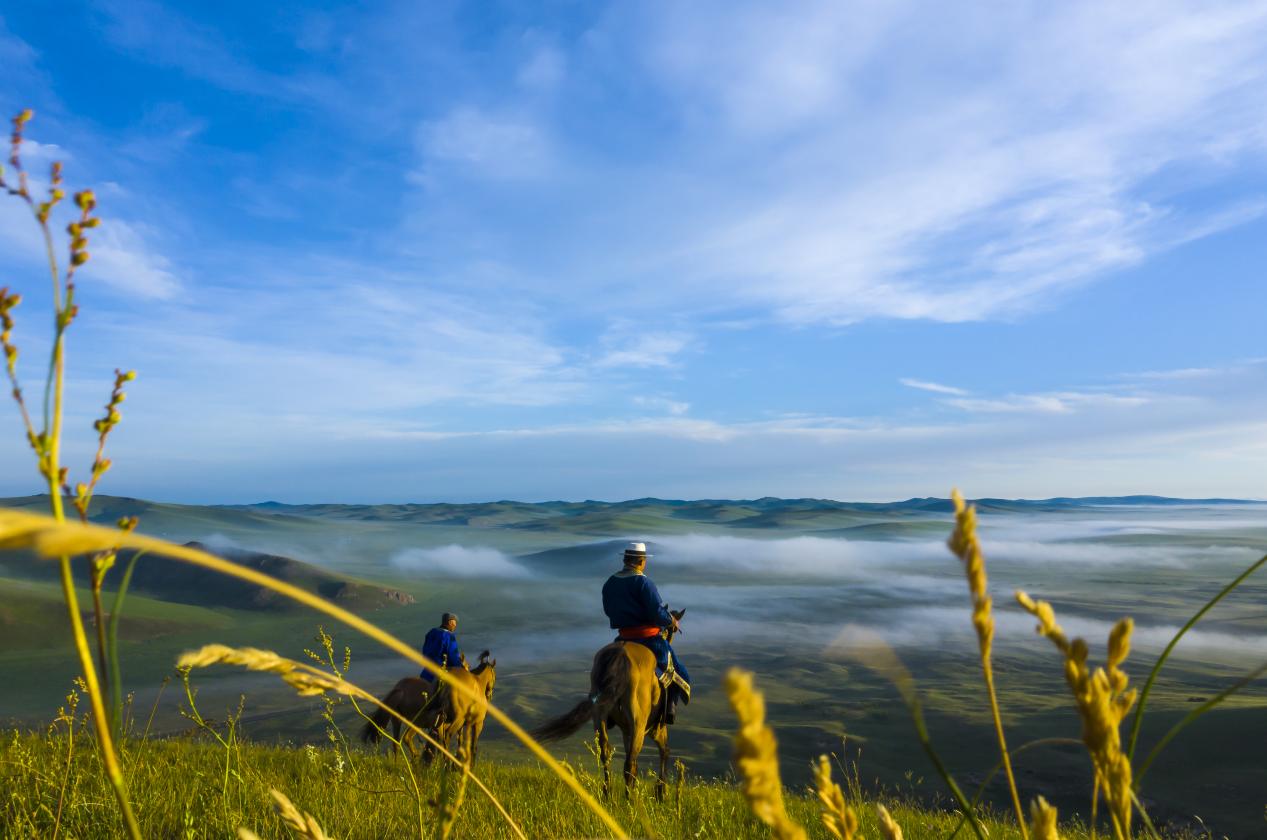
{"type": "Point", "coordinates": [462, 712]}
{"type": "Point", "coordinates": [438, 709]}
{"type": "Point", "coordinates": [624, 692]}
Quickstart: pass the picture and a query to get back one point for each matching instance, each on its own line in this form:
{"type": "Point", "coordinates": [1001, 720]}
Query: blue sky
{"type": "Point", "coordinates": [446, 251]}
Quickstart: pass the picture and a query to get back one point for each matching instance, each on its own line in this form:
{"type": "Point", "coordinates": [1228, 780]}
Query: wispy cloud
{"type": "Point", "coordinates": [1061, 402]}
{"type": "Point", "coordinates": [485, 144]}
{"type": "Point", "coordinates": [935, 387]}
{"type": "Point", "coordinates": [630, 347]}
{"type": "Point", "coordinates": [669, 406]}
{"type": "Point", "coordinates": [421, 243]}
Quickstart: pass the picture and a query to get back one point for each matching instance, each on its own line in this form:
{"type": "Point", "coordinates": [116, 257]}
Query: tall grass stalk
{"type": "Point", "coordinates": [1138, 720]}
{"type": "Point", "coordinates": [112, 644]}
{"type": "Point", "coordinates": [756, 755]}
{"type": "Point", "coordinates": [67, 717]}
{"type": "Point", "coordinates": [50, 538]}
{"type": "Point", "coordinates": [963, 542]}
{"type": "Point", "coordinates": [47, 443]}
{"type": "Point", "coordinates": [1103, 699]}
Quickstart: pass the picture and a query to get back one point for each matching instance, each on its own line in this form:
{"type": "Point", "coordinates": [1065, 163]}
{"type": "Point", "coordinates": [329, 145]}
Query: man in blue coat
{"type": "Point", "coordinates": [441, 646]}
{"type": "Point", "coordinates": [634, 608]}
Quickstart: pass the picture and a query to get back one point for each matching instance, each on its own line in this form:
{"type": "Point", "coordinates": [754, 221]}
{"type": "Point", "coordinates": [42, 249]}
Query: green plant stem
{"type": "Point", "coordinates": [1165, 654]}
{"type": "Point", "coordinates": [1192, 716]}
{"type": "Point", "coordinates": [70, 760]}
{"type": "Point", "coordinates": [112, 643]}
{"type": "Point", "coordinates": [55, 359]}
{"type": "Point", "coordinates": [988, 670]}
{"type": "Point", "coordinates": [103, 662]}
{"type": "Point", "coordinates": [101, 720]}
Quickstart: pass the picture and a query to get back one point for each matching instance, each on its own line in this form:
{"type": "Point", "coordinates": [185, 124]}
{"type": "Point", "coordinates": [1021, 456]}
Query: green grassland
{"type": "Point", "coordinates": [543, 629]}
{"type": "Point", "coordinates": [182, 789]}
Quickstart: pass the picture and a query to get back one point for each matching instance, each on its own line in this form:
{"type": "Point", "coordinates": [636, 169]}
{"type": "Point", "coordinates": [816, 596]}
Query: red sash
{"type": "Point", "coordinates": [643, 632]}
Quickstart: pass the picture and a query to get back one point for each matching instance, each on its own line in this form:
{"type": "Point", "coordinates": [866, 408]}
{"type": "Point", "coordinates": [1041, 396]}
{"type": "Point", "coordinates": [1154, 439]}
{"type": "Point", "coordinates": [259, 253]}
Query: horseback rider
{"type": "Point", "coordinates": [441, 646]}
{"type": "Point", "coordinates": [634, 608]}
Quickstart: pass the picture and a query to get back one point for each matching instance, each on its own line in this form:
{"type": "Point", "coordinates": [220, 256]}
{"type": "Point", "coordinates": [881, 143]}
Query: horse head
{"type": "Point", "coordinates": [487, 667]}
{"type": "Point", "coordinates": [677, 616]}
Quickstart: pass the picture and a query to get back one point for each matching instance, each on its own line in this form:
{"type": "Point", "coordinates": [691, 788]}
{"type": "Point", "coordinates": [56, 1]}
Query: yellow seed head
{"type": "Point", "coordinates": [888, 826]}
{"type": "Point", "coordinates": [756, 756]}
{"type": "Point", "coordinates": [838, 818]}
{"type": "Point", "coordinates": [300, 824]}
{"type": "Point", "coordinates": [1042, 820]}
{"type": "Point", "coordinates": [1102, 699]}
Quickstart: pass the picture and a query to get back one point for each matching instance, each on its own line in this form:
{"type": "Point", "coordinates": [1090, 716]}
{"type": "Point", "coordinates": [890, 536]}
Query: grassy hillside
{"type": "Point", "coordinates": [184, 788]}
{"type": "Point", "coordinates": [177, 583]}
{"type": "Point", "coordinates": [33, 617]}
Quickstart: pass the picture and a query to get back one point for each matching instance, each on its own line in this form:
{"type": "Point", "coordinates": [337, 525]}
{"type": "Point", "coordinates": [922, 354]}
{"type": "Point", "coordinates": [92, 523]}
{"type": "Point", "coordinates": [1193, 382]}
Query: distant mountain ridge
{"type": "Point", "coordinates": [513, 513]}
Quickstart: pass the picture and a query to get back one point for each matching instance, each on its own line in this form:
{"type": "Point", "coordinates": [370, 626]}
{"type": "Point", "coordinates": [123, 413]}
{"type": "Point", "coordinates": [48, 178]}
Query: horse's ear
{"type": "Point", "coordinates": [484, 654]}
{"type": "Point", "coordinates": [493, 664]}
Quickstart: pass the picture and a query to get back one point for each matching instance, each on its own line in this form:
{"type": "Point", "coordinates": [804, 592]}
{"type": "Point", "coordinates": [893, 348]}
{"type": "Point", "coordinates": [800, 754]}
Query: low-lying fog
{"type": "Point", "coordinates": [1156, 564]}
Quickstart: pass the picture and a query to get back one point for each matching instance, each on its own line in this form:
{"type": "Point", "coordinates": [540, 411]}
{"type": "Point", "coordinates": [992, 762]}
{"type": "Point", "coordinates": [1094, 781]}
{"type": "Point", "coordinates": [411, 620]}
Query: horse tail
{"type": "Point", "coordinates": [609, 681]}
{"type": "Point", "coordinates": [377, 724]}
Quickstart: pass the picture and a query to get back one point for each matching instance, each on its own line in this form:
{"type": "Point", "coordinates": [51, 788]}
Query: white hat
{"type": "Point", "coordinates": [636, 550]}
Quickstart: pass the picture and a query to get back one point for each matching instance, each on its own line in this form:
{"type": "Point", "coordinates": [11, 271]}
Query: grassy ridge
{"type": "Point", "coordinates": [180, 789]}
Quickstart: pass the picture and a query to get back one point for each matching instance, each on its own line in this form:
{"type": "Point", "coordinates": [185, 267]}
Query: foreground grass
{"type": "Point", "coordinates": [190, 788]}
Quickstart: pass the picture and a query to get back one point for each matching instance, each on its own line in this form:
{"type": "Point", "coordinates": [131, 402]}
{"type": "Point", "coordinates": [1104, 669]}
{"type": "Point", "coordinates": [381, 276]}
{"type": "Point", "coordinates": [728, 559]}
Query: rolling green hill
{"type": "Point", "coordinates": [179, 583]}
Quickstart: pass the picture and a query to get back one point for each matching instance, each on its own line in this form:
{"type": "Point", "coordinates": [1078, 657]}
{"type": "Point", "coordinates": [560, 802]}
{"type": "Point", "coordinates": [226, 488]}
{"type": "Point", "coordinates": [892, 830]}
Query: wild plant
{"type": "Point", "coordinates": [840, 820]}
{"type": "Point", "coordinates": [964, 544]}
{"type": "Point", "coordinates": [66, 717]}
{"type": "Point", "coordinates": [330, 701]}
{"type": "Point", "coordinates": [1103, 700]}
{"type": "Point", "coordinates": [46, 442]}
{"type": "Point", "coordinates": [300, 824]}
{"type": "Point", "coordinates": [756, 756]}
{"type": "Point", "coordinates": [227, 741]}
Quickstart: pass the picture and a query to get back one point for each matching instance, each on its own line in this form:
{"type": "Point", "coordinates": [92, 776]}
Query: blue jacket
{"type": "Point", "coordinates": [441, 647]}
{"type": "Point", "coordinates": [630, 599]}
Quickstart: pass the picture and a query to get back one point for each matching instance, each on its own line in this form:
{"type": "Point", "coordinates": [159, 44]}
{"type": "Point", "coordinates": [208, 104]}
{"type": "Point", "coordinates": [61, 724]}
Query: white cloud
{"type": "Point", "coordinates": [122, 257]}
{"type": "Point", "coordinates": [485, 144]}
{"type": "Point", "coordinates": [458, 561]}
{"type": "Point", "coordinates": [935, 387]}
{"type": "Point", "coordinates": [642, 349]}
{"type": "Point", "coordinates": [897, 188]}
{"type": "Point", "coordinates": [543, 70]}
{"type": "Point", "coordinates": [673, 407]}
{"type": "Point", "coordinates": [1061, 402]}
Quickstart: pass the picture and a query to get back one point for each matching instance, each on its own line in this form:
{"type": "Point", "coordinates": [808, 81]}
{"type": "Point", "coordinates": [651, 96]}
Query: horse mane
{"type": "Point", "coordinates": [484, 662]}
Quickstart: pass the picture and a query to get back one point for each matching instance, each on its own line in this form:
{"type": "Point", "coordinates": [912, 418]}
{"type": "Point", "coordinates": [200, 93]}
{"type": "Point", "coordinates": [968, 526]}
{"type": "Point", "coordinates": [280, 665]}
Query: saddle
{"type": "Point", "coordinates": [670, 676]}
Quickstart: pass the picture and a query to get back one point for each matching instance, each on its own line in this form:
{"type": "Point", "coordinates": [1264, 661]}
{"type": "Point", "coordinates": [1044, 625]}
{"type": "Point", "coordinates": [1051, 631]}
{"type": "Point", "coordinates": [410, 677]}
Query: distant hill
{"type": "Point", "coordinates": [172, 581]}
{"type": "Point", "coordinates": [518, 523]}
{"type": "Point", "coordinates": [182, 583]}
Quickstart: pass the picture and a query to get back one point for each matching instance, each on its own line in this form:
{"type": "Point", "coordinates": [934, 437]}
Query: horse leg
{"type": "Point", "coordinates": [477, 728]}
{"type": "Point", "coordinates": [661, 737]}
{"type": "Point", "coordinates": [635, 733]}
{"type": "Point", "coordinates": [604, 754]}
